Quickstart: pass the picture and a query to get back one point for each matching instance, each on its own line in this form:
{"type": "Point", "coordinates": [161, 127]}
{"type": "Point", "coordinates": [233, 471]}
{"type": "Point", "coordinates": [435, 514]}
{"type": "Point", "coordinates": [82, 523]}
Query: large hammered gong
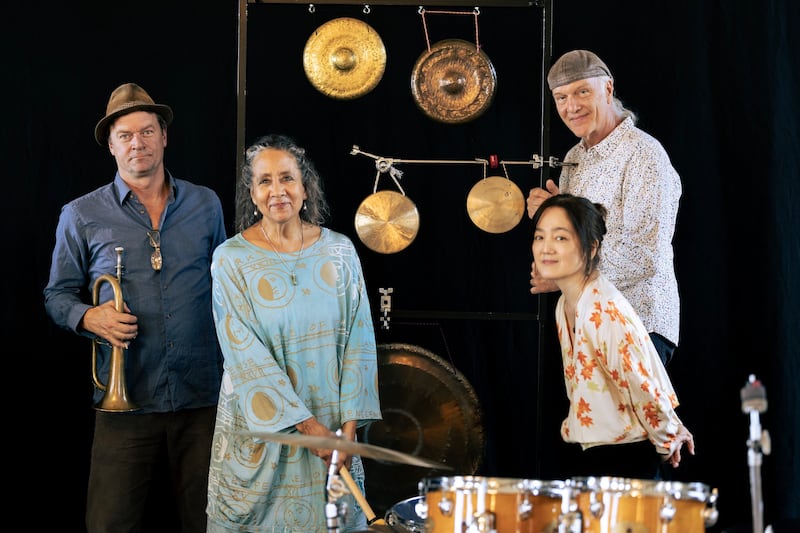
{"type": "Point", "coordinates": [453, 82]}
{"type": "Point", "coordinates": [429, 410]}
{"type": "Point", "coordinates": [344, 58]}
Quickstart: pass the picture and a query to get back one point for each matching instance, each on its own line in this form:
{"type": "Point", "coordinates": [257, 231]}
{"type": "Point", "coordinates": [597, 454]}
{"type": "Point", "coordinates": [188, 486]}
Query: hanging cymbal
{"type": "Point", "coordinates": [343, 445]}
{"type": "Point", "coordinates": [495, 204]}
{"type": "Point", "coordinates": [387, 222]}
{"type": "Point", "coordinates": [344, 58]}
{"type": "Point", "coordinates": [453, 82]}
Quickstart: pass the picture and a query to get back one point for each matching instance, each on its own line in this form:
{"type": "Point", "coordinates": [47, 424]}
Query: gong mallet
{"type": "Point", "coordinates": [359, 496]}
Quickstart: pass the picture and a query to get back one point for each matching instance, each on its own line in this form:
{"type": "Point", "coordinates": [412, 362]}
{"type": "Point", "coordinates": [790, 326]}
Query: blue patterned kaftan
{"type": "Point", "coordinates": [291, 351]}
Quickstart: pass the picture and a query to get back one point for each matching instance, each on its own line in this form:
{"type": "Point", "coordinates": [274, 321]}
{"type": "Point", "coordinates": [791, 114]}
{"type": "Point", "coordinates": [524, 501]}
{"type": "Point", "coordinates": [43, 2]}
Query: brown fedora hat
{"type": "Point", "coordinates": [125, 99]}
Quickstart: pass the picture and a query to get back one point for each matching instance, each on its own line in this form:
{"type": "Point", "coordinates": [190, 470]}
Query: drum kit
{"type": "Point", "coordinates": [578, 505]}
{"type": "Point", "coordinates": [475, 504]}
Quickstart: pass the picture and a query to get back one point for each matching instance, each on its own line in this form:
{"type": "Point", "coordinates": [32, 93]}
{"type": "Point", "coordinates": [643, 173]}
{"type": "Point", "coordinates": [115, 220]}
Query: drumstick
{"type": "Point", "coordinates": [351, 484]}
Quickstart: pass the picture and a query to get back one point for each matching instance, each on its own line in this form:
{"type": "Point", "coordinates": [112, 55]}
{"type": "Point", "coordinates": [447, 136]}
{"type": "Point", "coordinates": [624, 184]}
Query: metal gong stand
{"type": "Point", "coordinates": [495, 204]}
{"type": "Point", "coordinates": [544, 165]}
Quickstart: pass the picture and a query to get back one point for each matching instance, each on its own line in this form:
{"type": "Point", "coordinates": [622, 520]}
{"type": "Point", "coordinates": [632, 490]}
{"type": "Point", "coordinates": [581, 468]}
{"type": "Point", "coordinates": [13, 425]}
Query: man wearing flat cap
{"type": "Point", "coordinates": [629, 172]}
{"type": "Point", "coordinates": [158, 366]}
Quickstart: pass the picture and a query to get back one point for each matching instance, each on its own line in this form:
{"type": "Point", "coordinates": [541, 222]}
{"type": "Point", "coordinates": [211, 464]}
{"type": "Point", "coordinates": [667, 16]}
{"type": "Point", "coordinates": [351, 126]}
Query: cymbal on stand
{"type": "Point", "coordinates": [343, 445]}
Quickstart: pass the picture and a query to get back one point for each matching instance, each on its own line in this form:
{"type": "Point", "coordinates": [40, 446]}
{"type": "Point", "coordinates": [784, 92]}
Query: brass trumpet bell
{"type": "Point", "coordinates": [115, 399]}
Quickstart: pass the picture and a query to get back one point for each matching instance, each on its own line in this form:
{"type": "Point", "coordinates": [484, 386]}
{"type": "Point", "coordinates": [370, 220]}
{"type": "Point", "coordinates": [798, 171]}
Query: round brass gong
{"type": "Point", "coordinates": [495, 204]}
{"type": "Point", "coordinates": [387, 222]}
{"type": "Point", "coordinates": [429, 408]}
{"type": "Point", "coordinates": [454, 82]}
{"type": "Point", "coordinates": [344, 58]}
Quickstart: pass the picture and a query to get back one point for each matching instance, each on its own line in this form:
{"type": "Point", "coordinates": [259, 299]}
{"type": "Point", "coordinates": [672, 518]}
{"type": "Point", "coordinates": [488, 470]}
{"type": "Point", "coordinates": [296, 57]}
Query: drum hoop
{"type": "Point", "coordinates": [687, 491]}
{"type": "Point", "coordinates": [493, 484]}
{"type": "Point", "coordinates": [642, 487]}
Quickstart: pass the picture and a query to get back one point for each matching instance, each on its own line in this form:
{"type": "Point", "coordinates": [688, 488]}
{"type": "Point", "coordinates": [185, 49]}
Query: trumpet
{"type": "Point", "coordinates": [115, 399]}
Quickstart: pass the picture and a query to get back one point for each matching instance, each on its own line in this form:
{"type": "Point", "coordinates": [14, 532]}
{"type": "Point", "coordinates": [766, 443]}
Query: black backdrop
{"type": "Point", "coordinates": [715, 81]}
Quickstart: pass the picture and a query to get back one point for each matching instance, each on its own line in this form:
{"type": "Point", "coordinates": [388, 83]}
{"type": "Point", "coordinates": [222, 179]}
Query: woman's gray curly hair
{"type": "Point", "coordinates": [315, 210]}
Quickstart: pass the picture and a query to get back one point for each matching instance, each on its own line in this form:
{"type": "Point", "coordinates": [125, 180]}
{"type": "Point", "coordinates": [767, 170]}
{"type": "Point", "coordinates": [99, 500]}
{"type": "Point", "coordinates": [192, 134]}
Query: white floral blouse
{"type": "Point", "coordinates": [618, 389]}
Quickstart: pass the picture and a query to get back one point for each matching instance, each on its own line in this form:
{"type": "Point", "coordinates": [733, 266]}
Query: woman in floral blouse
{"type": "Point", "coordinates": [621, 402]}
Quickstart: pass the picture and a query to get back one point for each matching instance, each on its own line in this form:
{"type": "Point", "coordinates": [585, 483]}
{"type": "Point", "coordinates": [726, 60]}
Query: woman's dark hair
{"type": "Point", "coordinates": [316, 208]}
{"type": "Point", "coordinates": [587, 218]}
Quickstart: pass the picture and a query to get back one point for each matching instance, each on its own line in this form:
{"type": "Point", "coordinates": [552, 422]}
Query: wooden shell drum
{"type": "Point", "coordinates": [452, 504]}
{"type": "Point", "coordinates": [619, 505]}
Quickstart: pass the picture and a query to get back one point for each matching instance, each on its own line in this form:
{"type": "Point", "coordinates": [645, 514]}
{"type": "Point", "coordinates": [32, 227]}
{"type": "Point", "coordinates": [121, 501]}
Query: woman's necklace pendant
{"type": "Point", "coordinates": [292, 273]}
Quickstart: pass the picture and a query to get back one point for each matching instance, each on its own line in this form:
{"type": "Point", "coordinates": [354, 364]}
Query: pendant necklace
{"type": "Point", "coordinates": [292, 273]}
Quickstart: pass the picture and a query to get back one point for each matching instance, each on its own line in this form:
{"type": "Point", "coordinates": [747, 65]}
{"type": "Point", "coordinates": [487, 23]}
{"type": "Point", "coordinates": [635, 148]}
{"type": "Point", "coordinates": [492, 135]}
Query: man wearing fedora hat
{"type": "Point", "coordinates": [628, 171]}
{"type": "Point", "coordinates": [156, 234]}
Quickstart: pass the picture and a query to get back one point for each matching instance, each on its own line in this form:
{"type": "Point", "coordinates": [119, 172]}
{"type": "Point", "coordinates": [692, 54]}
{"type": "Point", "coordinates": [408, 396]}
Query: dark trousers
{"type": "Point", "coordinates": [126, 451]}
{"type": "Point", "coordinates": [665, 348]}
{"type": "Point", "coordinates": [638, 460]}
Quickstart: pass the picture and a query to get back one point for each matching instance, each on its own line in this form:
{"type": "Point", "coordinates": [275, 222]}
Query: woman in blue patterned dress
{"type": "Point", "coordinates": [294, 323]}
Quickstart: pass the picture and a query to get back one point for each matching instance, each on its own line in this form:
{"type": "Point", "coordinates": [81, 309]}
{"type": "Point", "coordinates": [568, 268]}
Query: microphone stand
{"type": "Point", "coordinates": [754, 402]}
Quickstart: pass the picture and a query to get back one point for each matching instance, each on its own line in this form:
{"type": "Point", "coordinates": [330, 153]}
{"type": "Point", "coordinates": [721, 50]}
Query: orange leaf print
{"type": "Point", "coordinates": [629, 337]}
{"type": "Point", "coordinates": [600, 356]}
{"type": "Point", "coordinates": [583, 407]}
{"type": "Point", "coordinates": [651, 414]}
{"type": "Point", "coordinates": [657, 393]}
{"type": "Point", "coordinates": [614, 313]}
{"type": "Point", "coordinates": [673, 399]}
{"type": "Point", "coordinates": [642, 370]}
{"type": "Point", "coordinates": [597, 319]}
{"type": "Point", "coordinates": [588, 370]}
{"type": "Point", "coordinates": [626, 360]}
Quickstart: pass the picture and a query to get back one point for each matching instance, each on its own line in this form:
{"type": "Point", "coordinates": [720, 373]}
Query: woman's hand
{"type": "Point", "coordinates": [683, 436]}
{"type": "Point", "coordinates": [312, 427]}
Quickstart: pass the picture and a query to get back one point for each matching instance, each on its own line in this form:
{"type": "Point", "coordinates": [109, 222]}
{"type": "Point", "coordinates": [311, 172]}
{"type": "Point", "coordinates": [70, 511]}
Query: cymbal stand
{"type": "Point", "coordinates": [754, 401]}
{"type": "Point", "coordinates": [336, 489]}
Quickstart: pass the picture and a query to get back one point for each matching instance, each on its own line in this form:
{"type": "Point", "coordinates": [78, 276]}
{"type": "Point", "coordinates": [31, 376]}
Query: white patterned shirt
{"type": "Point", "coordinates": [618, 389]}
{"type": "Point", "coordinates": [630, 173]}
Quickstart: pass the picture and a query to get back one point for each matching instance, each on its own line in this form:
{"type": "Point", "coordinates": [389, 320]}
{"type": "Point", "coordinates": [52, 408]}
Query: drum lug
{"type": "Point", "coordinates": [596, 507]}
{"type": "Point", "coordinates": [667, 512]}
{"type": "Point", "coordinates": [446, 506]}
{"type": "Point", "coordinates": [571, 519]}
{"type": "Point", "coordinates": [421, 508]}
{"type": "Point", "coordinates": [484, 523]}
{"type": "Point", "coordinates": [525, 508]}
{"type": "Point", "coordinates": [710, 514]}
{"type": "Point", "coordinates": [570, 522]}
